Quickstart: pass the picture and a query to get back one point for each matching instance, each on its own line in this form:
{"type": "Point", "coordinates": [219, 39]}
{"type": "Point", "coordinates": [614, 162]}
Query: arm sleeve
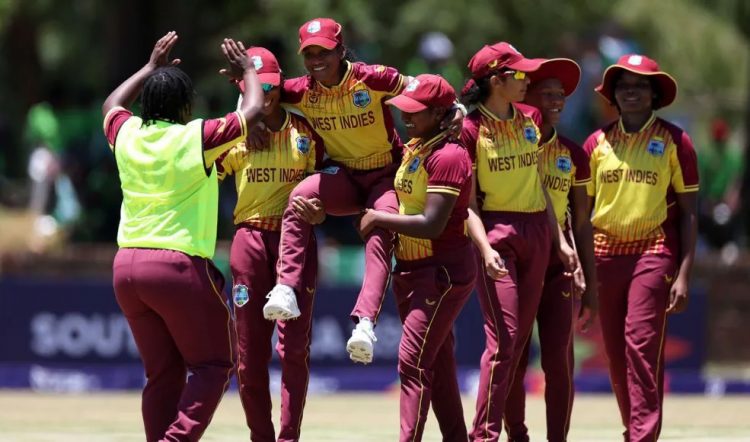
{"type": "Point", "coordinates": [382, 78]}
{"type": "Point", "coordinates": [448, 169]}
{"type": "Point", "coordinates": [588, 150]}
{"type": "Point", "coordinates": [113, 121]}
{"type": "Point", "coordinates": [226, 164]}
{"type": "Point", "coordinates": [221, 134]}
{"type": "Point", "coordinates": [469, 135]}
{"type": "Point", "coordinates": [293, 90]}
{"type": "Point", "coordinates": [684, 165]}
{"type": "Point", "coordinates": [580, 163]}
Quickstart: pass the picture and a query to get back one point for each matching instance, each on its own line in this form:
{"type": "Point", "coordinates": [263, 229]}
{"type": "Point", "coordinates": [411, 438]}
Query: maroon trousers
{"type": "Point", "coordinates": [555, 318]}
{"type": "Point", "coordinates": [509, 307]}
{"type": "Point", "coordinates": [633, 298]}
{"type": "Point", "coordinates": [184, 332]}
{"type": "Point", "coordinates": [342, 193]}
{"type": "Point", "coordinates": [253, 261]}
{"type": "Point", "coordinates": [429, 300]}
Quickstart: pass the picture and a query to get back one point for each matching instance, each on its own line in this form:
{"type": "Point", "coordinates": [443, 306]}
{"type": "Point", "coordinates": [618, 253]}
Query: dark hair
{"type": "Point", "coordinates": [476, 91]}
{"type": "Point", "coordinates": [167, 95]}
{"type": "Point", "coordinates": [349, 55]}
{"type": "Point", "coordinates": [655, 89]}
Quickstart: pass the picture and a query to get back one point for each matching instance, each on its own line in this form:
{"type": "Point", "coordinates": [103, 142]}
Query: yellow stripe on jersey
{"type": "Point", "coordinates": [558, 172]}
{"type": "Point", "coordinates": [631, 176]}
{"type": "Point", "coordinates": [443, 189]}
{"type": "Point", "coordinates": [411, 189]}
{"type": "Point", "coordinates": [265, 178]}
{"type": "Point", "coordinates": [506, 163]}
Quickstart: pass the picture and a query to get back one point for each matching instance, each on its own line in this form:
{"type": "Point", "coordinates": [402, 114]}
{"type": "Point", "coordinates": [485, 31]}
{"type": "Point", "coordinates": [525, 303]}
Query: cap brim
{"type": "Point", "coordinates": [563, 69]}
{"type": "Point", "coordinates": [667, 85]}
{"type": "Point", "coordinates": [323, 42]}
{"type": "Point", "coordinates": [406, 104]}
{"type": "Point", "coordinates": [272, 78]}
{"type": "Point", "coordinates": [526, 64]}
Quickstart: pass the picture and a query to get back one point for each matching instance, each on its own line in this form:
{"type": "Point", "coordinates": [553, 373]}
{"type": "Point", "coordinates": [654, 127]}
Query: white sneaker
{"type": "Point", "coordinates": [360, 344]}
{"type": "Point", "coordinates": [281, 304]}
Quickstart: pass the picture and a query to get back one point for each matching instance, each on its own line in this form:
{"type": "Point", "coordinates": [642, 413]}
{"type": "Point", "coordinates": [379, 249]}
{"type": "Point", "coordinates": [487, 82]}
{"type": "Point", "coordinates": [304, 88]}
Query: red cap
{"type": "Point", "coordinates": [324, 32]}
{"type": "Point", "coordinates": [563, 69]}
{"type": "Point", "coordinates": [719, 129]}
{"type": "Point", "coordinates": [426, 90]}
{"type": "Point", "coordinates": [641, 65]}
{"type": "Point", "coordinates": [500, 56]}
{"type": "Point", "coordinates": [266, 66]}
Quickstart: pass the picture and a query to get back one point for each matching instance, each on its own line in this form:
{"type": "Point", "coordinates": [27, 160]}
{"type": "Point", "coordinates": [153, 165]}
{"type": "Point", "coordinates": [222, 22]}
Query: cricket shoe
{"type": "Point", "coordinates": [360, 344]}
{"type": "Point", "coordinates": [281, 304]}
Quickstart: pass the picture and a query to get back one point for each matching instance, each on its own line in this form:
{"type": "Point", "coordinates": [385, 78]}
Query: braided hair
{"type": "Point", "coordinates": [167, 95]}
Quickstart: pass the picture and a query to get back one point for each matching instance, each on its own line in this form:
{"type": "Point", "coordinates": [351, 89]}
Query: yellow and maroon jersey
{"type": "Point", "coordinates": [265, 178]}
{"type": "Point", "coordinates": [562, 165]}
{"type": "Point", "coordinates": [434, 166]}
{"type": "Point", "coordinates": [634, 178]}
{"type": "Point", "coordinates": [352, 117]}
{"type": "Point", "coordinates": [505, 155]}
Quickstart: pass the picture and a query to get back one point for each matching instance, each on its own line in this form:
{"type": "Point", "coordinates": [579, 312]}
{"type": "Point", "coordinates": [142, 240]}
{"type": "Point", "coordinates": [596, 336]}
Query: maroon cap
{"type": "Point", "coordinates": [641, 65]}
{"type": "Point", "coordinates": [265, 65]}
{"type": "Point", "coordinates": [500, 56]}
{"type": "Point", "coordinates": [563, 69]}
{"type": "Point", "coordinates": [324, 32]}
{"type": "Point", "coordinates": [426, 90]}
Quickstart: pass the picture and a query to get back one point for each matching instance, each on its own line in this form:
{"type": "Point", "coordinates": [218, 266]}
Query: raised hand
{"type": "Point", "coordinates": [237, 59]}
{"type": "Point", "coordinates": [160, 53]}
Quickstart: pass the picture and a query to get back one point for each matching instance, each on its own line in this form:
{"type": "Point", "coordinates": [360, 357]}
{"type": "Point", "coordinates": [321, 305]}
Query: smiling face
{"type": "Point", "coordinates": [424, 124]}
{"type": "Point", "coordinates": [324, 64]}
{"type": "Point", "coordinates": [634, 93]}
{"type": "Point", "coordinates": [271, 99]}
{"type": "Point", "coordinates": [549, 97]}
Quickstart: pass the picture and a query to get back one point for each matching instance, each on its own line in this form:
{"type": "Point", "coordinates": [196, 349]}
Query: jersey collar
{"type": "Point", "coordinates": [343, 81]}
{"type": "Point", "coordinates": [416, 144]}
{"type": "Point", "coordinates": [645, 126]}
{"type": "Point", "coordinates": [489, 114]}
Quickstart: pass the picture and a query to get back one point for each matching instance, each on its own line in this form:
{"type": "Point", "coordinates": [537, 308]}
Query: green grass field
{"type": "Point", "coordinates": [34, 417]}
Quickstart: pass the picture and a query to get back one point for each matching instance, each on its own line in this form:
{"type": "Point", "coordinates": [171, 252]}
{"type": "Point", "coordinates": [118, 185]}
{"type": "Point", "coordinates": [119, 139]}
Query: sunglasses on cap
{"type": "Point", "coordinates": [267, 87]}
{"type": "Point", "coordinates": [518, 75]}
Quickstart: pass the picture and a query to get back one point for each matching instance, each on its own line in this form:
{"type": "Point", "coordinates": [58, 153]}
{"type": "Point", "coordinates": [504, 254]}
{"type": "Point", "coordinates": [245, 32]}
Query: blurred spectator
{"type": "Point", "coordinates": [53, 200]}
{"type": "Point", "coordinates": [721, 167]}
{"type": "Point", "coordinates": [435, 56]}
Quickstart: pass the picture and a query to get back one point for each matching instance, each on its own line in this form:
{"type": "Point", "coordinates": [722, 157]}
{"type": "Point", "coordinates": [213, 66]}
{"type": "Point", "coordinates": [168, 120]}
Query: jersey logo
{"type": "Point", "coordinates": [240, 295]}
{"type": "Point", "coordinates": [313, 97]}
{"type": "Point", "coordinates": [379, 68]}
{"type": "Point", "coordinates": [313, 27]}
{"type": "Point", "coordinates": [529, 132]}
{"type": "Point", "coordinates": [361, 98]}
{"type": "Point", "coordinates": [413, 165]}
{"type": "Point", "coordinates": [656, 147]}
{"type": "Point", "coordinates": [257, 62]}
{"type": "Point", "coordinates": [303, 144]}
{"type": "Point", "coordinates": [564, 164]}
{"type": "Point", "coordinates": [330, 170]}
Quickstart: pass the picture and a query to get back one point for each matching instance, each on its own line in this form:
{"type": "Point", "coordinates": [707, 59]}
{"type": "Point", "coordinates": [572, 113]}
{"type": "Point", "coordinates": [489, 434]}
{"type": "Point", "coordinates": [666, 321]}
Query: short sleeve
{"type": "Point", "coordinates": [580, 162]}
{"type": "Point", "coordinates": [221, 134]}
{"type": "Point", "coordinates": [470, 134]}
{"type": "Point", "coordinates": [293, 90]}
{"type": "Point", "coordinates": [381, 78]}
{"type": "Point", "coordinates": [226, 164]}
{"type": "Point", "coordinates": [448, 169]}
{"type": "Point", "coordinates": [684, 165]}
{"type": "Point", "coordinates": [588, 151]}
{"type": "Point", "coordinates": [530, 112]}
{"type": "Point", "coordinates": [113, 121]}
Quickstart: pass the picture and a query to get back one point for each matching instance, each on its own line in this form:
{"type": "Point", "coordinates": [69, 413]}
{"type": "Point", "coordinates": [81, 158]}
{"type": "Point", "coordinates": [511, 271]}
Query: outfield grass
{"type": "Point", "coordinates": [35, 417]}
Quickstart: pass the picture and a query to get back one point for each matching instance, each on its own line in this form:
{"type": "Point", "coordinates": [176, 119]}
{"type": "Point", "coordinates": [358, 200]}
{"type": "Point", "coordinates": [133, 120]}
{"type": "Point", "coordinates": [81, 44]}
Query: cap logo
{"type": "Point", "coordinates": [492, 64]}
{"type": "Point", "coordinates": [635, 60]}
{"type": "Point", "coordinates": [257, 62]}
{"type": "Point", "coordinates": [313, 27]}
{"type": "Point", "coordinates": [240, 295]}
{"type": "Point", "coordinates": [412, 86]}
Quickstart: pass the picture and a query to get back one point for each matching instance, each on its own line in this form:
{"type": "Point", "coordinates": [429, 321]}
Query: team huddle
{"type": "Point", "coordinates": [486, 195]}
